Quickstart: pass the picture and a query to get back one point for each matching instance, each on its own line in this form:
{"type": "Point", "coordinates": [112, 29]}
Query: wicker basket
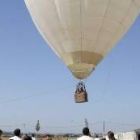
{"type": "Point", "coordinates": [81, 97]}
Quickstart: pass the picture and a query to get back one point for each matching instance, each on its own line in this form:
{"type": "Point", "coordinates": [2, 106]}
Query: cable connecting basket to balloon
{"type": "Point", "coordinates": [81, 95]}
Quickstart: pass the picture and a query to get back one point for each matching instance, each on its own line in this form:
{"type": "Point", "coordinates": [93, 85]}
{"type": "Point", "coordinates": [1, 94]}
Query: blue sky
{"type": "Point", "coordinates": [29, 67]}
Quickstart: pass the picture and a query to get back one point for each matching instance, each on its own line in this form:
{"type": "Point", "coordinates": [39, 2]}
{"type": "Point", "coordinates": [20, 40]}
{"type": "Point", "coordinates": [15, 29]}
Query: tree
{"type": "Point", "coordinates": [37, 126]}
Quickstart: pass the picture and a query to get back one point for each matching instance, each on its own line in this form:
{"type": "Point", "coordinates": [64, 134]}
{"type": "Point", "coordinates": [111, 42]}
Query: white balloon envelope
{"type": "Point", "coordinates": [82, 32]}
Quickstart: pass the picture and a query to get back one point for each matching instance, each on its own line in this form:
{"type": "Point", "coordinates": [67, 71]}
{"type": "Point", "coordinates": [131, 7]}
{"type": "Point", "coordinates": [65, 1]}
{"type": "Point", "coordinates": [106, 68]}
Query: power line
{"type": "Point", "coordinates": [61, 127]}
{"type": "Point", "coordinates": [104, 124]}
{"type": "Point", "coordinates": [124, 124]}
{"type": "Point", "coordinates": [96, 123]}
{"type": "Point", "coordinates": [115, 123]}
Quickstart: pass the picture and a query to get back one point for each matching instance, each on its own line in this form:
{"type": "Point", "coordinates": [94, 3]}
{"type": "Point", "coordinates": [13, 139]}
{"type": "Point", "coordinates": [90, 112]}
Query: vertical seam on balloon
{"type": "Point", "coordinates": [119, 26]}
{"type": "Point", "coordinates": [100, 29]}
{"type": "Point", "coordinates": [81, 29]}
{"type": "Point", "coordinates": [60, 24]}
{"type": "Point", "coordinates": [48, 42]}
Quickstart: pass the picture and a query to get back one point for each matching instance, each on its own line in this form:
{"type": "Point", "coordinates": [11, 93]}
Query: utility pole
{"type": "Point", "coordinates": [24, 125]}
{"type": "Point", "coordinates": [104, 127]}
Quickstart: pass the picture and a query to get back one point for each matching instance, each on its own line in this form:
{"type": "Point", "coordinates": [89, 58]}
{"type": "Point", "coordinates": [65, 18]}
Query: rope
{"type": "Point", "coordinates": [34, 95]}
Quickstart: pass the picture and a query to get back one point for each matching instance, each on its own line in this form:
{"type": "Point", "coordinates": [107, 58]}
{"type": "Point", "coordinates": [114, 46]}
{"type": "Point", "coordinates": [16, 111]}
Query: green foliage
{"type": "Point", "coordinates": [38, 126]}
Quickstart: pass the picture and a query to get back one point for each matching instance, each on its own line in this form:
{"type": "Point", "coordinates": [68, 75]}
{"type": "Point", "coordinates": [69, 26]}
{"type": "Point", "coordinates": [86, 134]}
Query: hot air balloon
{"type": "Point", "coordinates": [82, 32]}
